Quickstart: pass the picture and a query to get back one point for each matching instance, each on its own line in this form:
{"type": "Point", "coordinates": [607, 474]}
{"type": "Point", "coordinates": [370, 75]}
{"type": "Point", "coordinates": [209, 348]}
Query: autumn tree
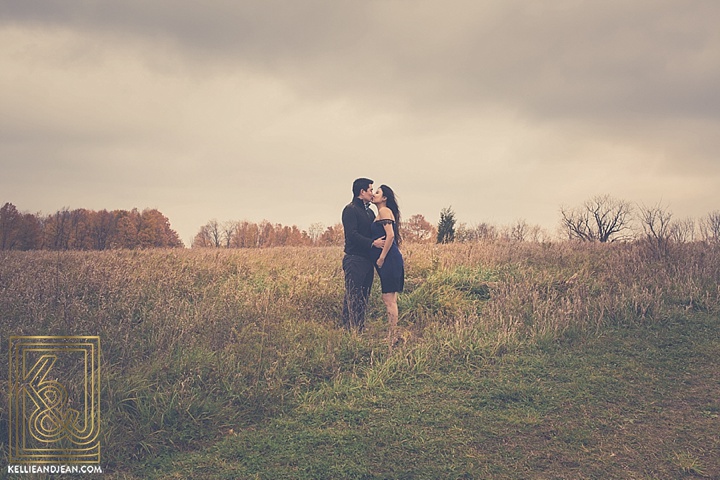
{"type": "Point", "coordinates": [215, 235]}
{"type": "Point", "coordinates": [102, 226]}
{"type": "Point", "coordinates": [57, 230]}
{"type": "Point", "coordinates": [292, 236]}
{"type": "Point", "coordinates": [80, 225]}
{"type": "Point", "coordinates": [202, 238]}
{"type": "Point", "coordinates": [267, 234]}
{"type": "Point", "coordinates": [126, 229]}
{"type": "Point", "coordinates": [418, 230]}
{"type": "Point", "coordinates": [83, 229]}
{"type": "Point", "coordinates": [333, 235]}
{"type": "Point", "coordinates": [247, 235]}
{"type": "Point", "coordinates": [10, 220]}
{"type": "Point", "coordinates": [601, 219]}
{"type": "Point", "coordinates": [210, 235]}
{"type": "Point", "coordinates": [153, 231]}
{"type": "Point", "coordinates": [19, 231]}
{"type": "Point", "coordinates": [30, 234]}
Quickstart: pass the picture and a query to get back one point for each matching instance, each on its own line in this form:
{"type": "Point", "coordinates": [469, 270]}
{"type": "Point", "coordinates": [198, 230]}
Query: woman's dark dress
{"type": "Point", "coordinates": [392, 273]}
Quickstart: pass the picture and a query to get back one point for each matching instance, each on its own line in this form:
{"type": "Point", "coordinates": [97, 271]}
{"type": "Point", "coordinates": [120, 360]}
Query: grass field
{"type": "Point", "coordinates": [520, 360]}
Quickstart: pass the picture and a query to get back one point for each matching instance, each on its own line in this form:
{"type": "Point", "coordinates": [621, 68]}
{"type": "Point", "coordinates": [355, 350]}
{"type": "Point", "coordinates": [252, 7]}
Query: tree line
{"type": "Point", "coordinates": [602, 219]}
{"type": "Point", "coordinates": [83, 229]}
{"type": "Point", "coordinates": [244, 234]}
{"type": "Point", "coordinates": [599, 219]}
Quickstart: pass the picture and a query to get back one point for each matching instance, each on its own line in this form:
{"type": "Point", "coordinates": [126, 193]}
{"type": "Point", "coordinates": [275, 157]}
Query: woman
{"type": "Point", "coordinates": [388, 260]}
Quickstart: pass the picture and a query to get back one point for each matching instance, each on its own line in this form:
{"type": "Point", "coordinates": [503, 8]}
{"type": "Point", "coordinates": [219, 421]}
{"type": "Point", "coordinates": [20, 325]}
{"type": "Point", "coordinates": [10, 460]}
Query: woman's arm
{"type": "Point", "coordinates": [386, 214]}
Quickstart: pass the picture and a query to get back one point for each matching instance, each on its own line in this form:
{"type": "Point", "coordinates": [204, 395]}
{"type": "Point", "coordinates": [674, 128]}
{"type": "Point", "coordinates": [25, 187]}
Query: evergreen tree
{"type": "Point", "coordinates": [446, 226]}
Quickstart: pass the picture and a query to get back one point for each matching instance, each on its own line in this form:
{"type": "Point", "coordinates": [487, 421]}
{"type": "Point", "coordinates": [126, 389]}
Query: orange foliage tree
{"type": "Point", "coordinates": [418, 230]}
{"type": "Point", "coordinates": [249, 235]}
{"type": "Point", "coordinates": [83, 229]}
{"type": "Point", "coordinates": [334, 235]}
{"type": "Point", "coordinates": [9, 226]}
{"type": "Point", "coordinates": [265, 234]}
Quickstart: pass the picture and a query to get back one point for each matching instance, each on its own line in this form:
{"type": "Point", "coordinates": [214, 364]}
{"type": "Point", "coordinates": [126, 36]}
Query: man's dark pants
{"type": "Point", "coordinates": [358, 282]}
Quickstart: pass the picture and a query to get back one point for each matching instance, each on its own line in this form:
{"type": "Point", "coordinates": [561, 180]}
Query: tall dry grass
{"type": "Point", "coordinates": [543, 290]}
{"type": "Point", "coordinates": [196, 343]}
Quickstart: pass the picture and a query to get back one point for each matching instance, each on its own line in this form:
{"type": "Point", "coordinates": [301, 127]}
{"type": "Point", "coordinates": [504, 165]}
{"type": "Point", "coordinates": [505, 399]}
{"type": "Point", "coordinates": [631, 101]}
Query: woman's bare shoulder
{"type": "Point", "coordinates": [385, 213]}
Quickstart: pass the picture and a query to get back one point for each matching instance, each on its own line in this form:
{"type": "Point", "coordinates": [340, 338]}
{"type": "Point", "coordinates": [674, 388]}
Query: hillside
{"type": "Point", "coordinates": [520, 360]}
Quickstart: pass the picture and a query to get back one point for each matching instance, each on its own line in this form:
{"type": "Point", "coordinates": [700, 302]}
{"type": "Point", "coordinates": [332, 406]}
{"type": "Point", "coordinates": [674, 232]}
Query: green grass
{"type": "Point", "coordinates": [635, 402]}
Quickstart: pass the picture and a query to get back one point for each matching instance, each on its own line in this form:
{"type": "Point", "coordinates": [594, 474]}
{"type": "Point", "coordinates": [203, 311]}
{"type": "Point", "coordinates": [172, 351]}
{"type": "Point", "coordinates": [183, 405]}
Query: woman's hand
{"type": "Point", "coordinates": [380, 262]}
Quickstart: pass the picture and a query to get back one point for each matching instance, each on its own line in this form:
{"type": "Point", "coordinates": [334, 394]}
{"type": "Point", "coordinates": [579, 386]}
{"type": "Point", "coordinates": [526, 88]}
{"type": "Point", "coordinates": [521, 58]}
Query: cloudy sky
{"type": "Point", "coordinates": [232, 110]}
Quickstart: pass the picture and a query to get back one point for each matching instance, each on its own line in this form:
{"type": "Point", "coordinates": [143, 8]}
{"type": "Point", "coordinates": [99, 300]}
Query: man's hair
{"type": "Point", "coordinates": [361, 184]}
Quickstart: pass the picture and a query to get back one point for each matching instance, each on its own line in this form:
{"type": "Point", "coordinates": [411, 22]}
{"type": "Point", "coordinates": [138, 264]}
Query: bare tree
{"type": "Point", "coordinates": [657, 226]}
{"type": "Point", "coordinates": [522, 231]}
{"type": "Point", "coordinates": [538, 234]}
{"type": "Point", "coordinates": [710, 227]}
{"type": "Point", "coordinates": [481, 232]}
{"type": "Point", "coordinates": [486, 231]}
{"type": "Point", "coordinates": [465, 233]}
{"type": "Point", "coordinates": [228, 230]}
{"type": "Point", "coordinates": [519, 230]}
{"type": "Point", "coordinates": [315, 231]}
{"type": "Point", "coordinates": [209, 236]}
{"type": "Point", "coordinates": [683, 231]}
{"type": "Point", "coordinates": [600, 219]}
{"type": "Point", "coordinates": [215, 232]}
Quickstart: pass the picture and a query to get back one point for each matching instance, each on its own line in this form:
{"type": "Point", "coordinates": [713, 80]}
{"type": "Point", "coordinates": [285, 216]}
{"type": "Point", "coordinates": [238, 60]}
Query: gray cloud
{"type": "Point", "coordinates": [559, 59]}
{"type": "Point", "coordinates": [538, 97]}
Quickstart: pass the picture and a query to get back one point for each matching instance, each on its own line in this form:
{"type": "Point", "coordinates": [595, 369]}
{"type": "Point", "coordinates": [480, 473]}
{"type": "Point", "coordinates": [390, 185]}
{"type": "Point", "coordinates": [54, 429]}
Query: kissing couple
{"type": "Point", "coordinates": [371, 244]}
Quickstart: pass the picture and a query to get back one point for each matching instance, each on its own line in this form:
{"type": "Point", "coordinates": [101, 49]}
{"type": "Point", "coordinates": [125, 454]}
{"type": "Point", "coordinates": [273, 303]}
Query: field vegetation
{"type": "Point", "coordinates": [519, 360]}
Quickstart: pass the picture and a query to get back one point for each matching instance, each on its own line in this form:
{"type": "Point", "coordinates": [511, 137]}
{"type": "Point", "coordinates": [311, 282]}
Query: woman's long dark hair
{"type": "Point", "coordinates": [394, 208]}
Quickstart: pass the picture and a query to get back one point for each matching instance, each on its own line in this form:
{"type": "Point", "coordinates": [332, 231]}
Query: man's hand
{"type": "Point", "coordinates": [379, 243]}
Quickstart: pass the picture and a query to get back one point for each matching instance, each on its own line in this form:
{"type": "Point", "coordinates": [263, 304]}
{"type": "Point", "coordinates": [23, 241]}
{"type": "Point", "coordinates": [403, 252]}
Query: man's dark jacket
{"type": "Point", "coordinates": [356, 220]}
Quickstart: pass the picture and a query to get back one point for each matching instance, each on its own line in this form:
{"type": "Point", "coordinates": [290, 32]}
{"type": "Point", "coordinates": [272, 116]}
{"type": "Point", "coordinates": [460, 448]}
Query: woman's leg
{"type": "Point", "coordinates": [390, 300]}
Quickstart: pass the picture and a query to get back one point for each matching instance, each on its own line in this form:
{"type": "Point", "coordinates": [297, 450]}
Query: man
{"type": "Point", "coordinates": [357, 262]}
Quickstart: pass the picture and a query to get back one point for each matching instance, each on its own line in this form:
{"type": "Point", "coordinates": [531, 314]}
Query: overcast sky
{"type": "Point", "coordinates": [252, 110]}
